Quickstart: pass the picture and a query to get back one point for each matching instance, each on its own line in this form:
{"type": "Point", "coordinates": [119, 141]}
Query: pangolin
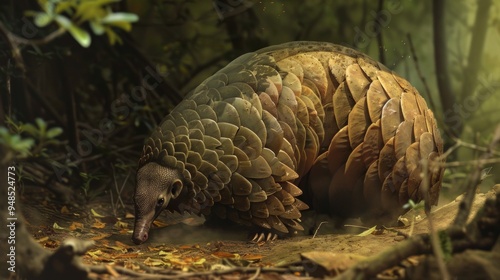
{"type": "Point", "coordinates": [309, 117]}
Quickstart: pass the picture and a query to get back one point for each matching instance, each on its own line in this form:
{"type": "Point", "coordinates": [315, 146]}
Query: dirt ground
{"type": "Point", "coordinates": [185, 247]}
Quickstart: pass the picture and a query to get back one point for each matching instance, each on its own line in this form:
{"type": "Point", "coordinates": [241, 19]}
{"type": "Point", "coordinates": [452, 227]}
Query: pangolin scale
{"type": "Point", "coordinates": [343, 127]}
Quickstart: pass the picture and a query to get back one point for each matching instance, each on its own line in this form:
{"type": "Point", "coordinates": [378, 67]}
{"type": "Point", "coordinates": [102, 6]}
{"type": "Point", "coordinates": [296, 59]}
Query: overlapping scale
{"type": "Point", "coordinates": [248, 135]}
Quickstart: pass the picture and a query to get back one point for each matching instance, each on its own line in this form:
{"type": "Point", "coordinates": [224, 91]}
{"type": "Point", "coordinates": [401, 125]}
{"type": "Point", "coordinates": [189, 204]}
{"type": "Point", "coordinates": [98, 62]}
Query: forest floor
{"type": "Point", "coordinates": [182, 247]}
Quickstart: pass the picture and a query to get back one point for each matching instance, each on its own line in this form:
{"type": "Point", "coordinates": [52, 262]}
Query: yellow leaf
{"type": "Point", "coordinates": [153, 262]}
{"type": "Point", "coordinates": [200, 261]}
{"type": "Point", "coordinates": [56, 226]}
{"type": "Point", "coordinates": [96, 214]}
{"type": "Point", "coordinates": [368, 231]}
{"type": "Point", "coordinates": [121, 225]}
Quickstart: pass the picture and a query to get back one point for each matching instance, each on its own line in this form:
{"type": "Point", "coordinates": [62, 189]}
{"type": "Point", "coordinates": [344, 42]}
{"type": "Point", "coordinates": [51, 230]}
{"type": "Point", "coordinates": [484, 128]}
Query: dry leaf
{"type": "Point", "coordinates": [64, 210]}
{"type": "Point", "coordinates": [98, 224]}
{"type": "Point", "coordinates": [94, 254]}
{"type": "Point", "coordinates": [75, 225]}
{"type": "Point", "coordinates": [153, 262]}
{"type": "Point", "coordinates": [101, 236]}
{"type": "Point", "coordinates": [121, 225]}
{"type": "Point", "coordinates": [199, 262]}
{"type": "Point", "coordinates": [251, 257]}
{"type": "Point", "coordinates": [368, 231]}
{"type": "Point", "coordinates": [118, 248]}
{"type": "Point", "coordinates": [129, 215]}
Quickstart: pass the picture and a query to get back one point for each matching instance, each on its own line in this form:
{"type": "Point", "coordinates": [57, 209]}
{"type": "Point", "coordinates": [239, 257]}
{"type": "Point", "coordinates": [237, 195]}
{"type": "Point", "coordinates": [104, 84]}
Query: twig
{"type": "Point", "coordinates": [101, 269]}
{"type": "Point", "coordinates": [436, 246]}
{"type": "Point", "coordinates": [317, 229]}
{"type": "Point", "coordinates": [468, 162]}
{"type": "Point", "coordinates": [15, 42]}
{"type": "Point", "coordinates": [256, 275]}
{"type": "Point", "coordinates": [472, 184]}
{"type": "Point", "coordinates": [419, 71]}
{"type": "Point", "coordinates": [118, 191]}
{"type": "Point", "coordinates": [420, 244]}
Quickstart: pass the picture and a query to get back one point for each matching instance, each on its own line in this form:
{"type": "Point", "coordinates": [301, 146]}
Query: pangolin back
{"type": "Point", "coordinates": [350, 129]}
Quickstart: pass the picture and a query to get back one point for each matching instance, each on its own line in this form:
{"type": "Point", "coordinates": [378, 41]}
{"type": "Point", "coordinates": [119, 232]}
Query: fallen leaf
{"type": "Point", "coordinates": [163, 253]}
{"type": "Point", "coordinates": [153, 262]}
{"type": "Point", "coordinates": [101, 236]}
{"type": "Point", "coordinates": [200, 261]}
{"type": "Point", "coordinates": [368, 231]}
{"type": "Point", "coordinates": [75, 225]}
{"type": "Point", "coordinates": [96, 214]}
{"type": "Point", "coordinates": [56, 226]}
{"type": "Point", "coordinates": [129, 215]}
{"type": "Point", "coordinates": [98, 224]}
{"type": "Point", "coordinates": [117, 248]}
{"type": "Point", "coordinates": [121, 244]}
{"type": "Point", "coordinates": [94, 254]}
{"type": "Point", "coordinates": [251, 257]}
{"type": "Point", "coordinates": [64, 210]}
{"type": "Point", "coordinates": [121, 225]}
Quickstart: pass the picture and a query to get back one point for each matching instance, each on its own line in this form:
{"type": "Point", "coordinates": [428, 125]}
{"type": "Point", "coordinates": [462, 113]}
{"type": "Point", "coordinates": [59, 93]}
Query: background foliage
{"type": "Point", "coordinates": [84, 81]}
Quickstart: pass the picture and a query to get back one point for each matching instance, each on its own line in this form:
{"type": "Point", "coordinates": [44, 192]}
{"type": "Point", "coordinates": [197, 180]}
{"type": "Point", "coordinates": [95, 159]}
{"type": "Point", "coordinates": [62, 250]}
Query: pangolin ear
{"type": "Point", "coordinates": [176, 188]}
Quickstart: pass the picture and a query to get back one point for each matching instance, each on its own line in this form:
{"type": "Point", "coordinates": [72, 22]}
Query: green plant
{"type": "Point", "coordinates": [71, 15]}
{"type": "Point", "coordinates": [40, 138]}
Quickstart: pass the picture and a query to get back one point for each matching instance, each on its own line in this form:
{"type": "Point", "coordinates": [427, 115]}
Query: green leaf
{"type": "Point", "coordinates": [92, 8]}
{"type": "Point", "coordinates": [43, 19]}
{"type": "Point", "coordinates": [122, 24]}
{"type": "Point", "coordinates": [80, 35]}
{"type": "Point", "coordinates": [97, 28]}
{"type": "Point", "coordinates": [112, 36]}
{"type": "Point", "coordinates": [117, 17]}
{"type": "Point", "coordinates": [54, 132]}
{"type": "Point", "coordinates": [63, 21]}
{"type": "Point", "coordinates": [64, 6]}
{"type": "Point", "coordinates": [30, 129]}
{"type": "Point", "coordinates": [42, 125]}
{"type": "Point", "coordinates": [22, 146]}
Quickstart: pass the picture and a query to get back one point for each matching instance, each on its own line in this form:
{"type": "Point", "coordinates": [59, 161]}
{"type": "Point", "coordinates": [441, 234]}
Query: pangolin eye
{"type": "Point", "coordinates": [160, 201]}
